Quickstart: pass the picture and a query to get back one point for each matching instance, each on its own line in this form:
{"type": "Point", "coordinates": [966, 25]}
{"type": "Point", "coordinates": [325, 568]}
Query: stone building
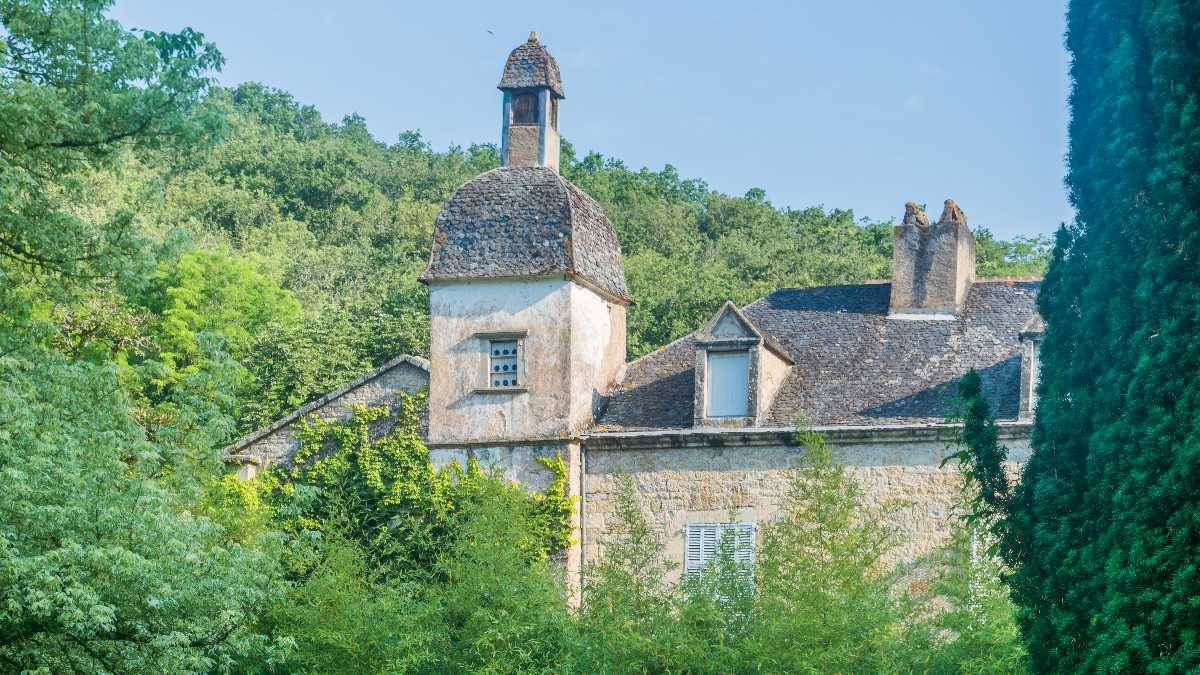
{"type": "Point", "coordinates": [527, 358]}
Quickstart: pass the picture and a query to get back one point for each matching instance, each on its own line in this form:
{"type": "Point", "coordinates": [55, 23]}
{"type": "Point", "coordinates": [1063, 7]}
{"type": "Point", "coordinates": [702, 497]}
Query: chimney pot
{"type": "Point", "coordinates": [915, 215]}
{"type": "Point", "coordinates": [952, 214]}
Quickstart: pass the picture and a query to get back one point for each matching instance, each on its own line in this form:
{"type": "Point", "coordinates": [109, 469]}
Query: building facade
{"type": "Point", "coordinates": [527, 359]}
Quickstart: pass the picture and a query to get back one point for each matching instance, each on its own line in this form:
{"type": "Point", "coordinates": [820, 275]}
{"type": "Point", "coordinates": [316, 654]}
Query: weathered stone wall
{"type": "Point", "coordinates": [278, 443]}
{"type": "Point", "coordinates": [524, 145]}
{"type": "Point", "coordinates": [597, 352]}
{"type": "Point", "coordinates": [676, 486]}
{"type": "Point", "coordinates": [772, 371]}
{"type": "Point", "coordinates": [459, 410]}
{"type": "Point", "coordinates": [574, 348]}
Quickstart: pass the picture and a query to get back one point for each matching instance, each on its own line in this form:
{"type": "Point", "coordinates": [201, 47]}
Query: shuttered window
{"type": "Point", "coordinates": [728, 378]}
{"type": "Point", "coordinates": [703, 541]}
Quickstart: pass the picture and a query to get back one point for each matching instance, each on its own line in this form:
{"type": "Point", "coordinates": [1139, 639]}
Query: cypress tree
{"type": "Point", "coordinates": [1103, 532]}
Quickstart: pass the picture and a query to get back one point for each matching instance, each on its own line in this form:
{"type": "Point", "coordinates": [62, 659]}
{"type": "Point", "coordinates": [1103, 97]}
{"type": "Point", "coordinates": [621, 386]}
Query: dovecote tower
{"type": "Point", "coordinates": [527, 290]}
{"type": "Point", "coordinates": [529, 113]}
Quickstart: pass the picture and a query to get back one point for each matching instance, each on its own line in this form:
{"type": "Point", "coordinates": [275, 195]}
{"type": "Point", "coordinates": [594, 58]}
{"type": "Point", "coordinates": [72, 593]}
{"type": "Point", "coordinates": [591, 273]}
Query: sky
{"type": "Point", "coordinates": [854, 104]}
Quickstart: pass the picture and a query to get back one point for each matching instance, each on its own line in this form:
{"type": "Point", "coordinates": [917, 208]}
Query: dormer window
{"type": "Point", "coordinates": [739, 369]}
{"type": "Point", "coordinates": [728, 382]}
{"type": "Point", "coordinates": [525, 109]}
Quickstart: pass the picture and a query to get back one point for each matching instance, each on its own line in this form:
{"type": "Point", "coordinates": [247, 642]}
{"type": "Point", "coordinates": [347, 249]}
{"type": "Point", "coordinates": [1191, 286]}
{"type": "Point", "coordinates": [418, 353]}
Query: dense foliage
{"type": "Point", "coordinates": [180, 262]}
{"type": "Point", "coordinates": [1101, 532]}
{"type": "Point", "coordinates": [380, 490]}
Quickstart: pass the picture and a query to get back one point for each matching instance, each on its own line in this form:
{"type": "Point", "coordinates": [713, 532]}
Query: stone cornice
{"type": "Point", "coordinates": [777, 436]}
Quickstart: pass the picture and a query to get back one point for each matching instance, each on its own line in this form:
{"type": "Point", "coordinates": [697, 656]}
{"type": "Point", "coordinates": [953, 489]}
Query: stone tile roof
{"type": "Point", "coordinates": [530, 65]}
{"type": "Point", "coordinates": [853, 366]}
{"type": "Point", "coordinates": [525, 221]}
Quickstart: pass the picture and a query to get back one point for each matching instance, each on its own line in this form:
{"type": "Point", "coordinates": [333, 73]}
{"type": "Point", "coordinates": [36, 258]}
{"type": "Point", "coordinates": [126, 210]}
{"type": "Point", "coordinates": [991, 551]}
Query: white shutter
{"type": "Point", "coordinates": [728, 377]}
{"type": "Point", "coordinates": [743, 552]}
{"type": "Point", "coordinates": [701, 546]}
{"type": "Point", "coordinates": [702, 540]}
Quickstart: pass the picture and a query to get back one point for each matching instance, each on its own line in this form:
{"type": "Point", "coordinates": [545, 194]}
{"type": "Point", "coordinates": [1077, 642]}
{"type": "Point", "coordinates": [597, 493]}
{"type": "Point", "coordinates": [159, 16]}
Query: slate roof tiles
{"type": "Point", "coordinates": [525, 221]}
{"type": "Point", "coordinates": [530, 65]}
{"type": "Point", "coordinates": [853, 365]}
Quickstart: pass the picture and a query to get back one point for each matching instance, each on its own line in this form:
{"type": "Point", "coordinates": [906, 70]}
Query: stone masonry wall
{"type": "Point", "coordinates": [279, 444]}
{"type": "Point", "coordinates": [682, 485]}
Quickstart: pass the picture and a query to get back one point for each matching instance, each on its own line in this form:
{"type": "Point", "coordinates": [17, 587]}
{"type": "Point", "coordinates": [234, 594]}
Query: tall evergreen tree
{"type": "Point", "coordinates": [1103, 532]}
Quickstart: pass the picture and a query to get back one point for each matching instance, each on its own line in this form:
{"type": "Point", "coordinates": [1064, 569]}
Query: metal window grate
{"type": "Point", "coordinates": [503, 364]}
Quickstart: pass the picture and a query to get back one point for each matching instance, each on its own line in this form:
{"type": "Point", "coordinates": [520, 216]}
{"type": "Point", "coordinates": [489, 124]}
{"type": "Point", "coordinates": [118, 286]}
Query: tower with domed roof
{"type": "Point", "coordinates": [527, 287]}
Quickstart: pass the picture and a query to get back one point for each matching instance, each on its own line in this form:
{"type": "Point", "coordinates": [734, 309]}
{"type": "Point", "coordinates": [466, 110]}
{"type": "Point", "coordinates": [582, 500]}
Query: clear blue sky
{"type": "Point", "coordinates": [852, 104]}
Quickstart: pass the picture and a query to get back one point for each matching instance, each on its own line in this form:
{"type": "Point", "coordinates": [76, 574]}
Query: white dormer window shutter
{"type": "Point", "coordinates": [728, 380]}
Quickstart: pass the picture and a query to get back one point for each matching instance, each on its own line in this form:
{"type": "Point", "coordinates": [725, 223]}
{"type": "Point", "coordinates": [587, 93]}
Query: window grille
{"type": "Point", "coordinates": [703, 542]}
{"type": "Point", "coordinates": [503, 364]}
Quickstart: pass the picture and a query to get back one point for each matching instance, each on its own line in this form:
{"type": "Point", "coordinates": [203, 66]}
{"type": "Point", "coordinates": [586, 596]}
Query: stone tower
{"type": "Point", "coordinates": [529, 113]}
{"type": "Point", "coordinates": [933, 265]}
{"type": "Point", "coordinates": [527, 287]}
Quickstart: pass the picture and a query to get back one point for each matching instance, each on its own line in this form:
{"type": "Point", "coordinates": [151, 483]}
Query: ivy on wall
{"type": "Point", "coordinates": [370, 478]}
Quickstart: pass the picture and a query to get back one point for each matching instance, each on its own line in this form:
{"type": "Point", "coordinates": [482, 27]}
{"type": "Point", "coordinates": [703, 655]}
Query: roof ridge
{"type": "Point", "coordinates": [570, 209]}
{"type": "Point", "coordinates": [359, 381]}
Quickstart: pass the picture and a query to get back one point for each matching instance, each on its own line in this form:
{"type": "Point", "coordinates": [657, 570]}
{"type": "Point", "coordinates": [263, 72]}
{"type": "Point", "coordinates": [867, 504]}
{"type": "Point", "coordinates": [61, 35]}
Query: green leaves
{"type": "Point", "coordinates": [381, 491]}
{"type": "Point", "coordinates": [75, 88]}
{"type": "Point", "coordinates": [1101, 532]}
{"type": "Point", "coordinates": [102, 567]}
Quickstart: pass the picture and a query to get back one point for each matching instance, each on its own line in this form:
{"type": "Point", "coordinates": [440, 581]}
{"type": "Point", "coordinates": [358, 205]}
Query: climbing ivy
{"type": "Point", "coordinates": [378, 487]}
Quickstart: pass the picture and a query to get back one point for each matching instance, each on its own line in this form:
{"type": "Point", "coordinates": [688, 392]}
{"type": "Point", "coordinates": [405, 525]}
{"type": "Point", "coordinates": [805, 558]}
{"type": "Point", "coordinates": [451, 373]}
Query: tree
{"type": "Point", "coordinates": [1103, 530]}
{"type": "Point", "coordinates": [102, 566]}
{"type": "Point", "coordinates": [76, 88]}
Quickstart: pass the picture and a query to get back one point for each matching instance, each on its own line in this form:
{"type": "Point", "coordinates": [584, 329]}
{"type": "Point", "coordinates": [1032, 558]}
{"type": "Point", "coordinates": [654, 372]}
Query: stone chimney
{"type": "Point", "coordinates": [933, 265]}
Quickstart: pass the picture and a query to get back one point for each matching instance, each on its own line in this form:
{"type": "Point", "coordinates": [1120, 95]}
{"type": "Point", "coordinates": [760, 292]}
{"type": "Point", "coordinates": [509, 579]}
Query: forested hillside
{"type": "Point", "coordinates": [300, 243]}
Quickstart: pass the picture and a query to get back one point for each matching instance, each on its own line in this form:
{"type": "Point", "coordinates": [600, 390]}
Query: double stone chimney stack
{"type": "Point", "coordinates": [933, 264]}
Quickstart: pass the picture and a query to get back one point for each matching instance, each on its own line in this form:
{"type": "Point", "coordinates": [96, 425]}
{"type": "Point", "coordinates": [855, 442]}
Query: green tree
{"type": "Point", "coordinates": [75, 89]}
{"type": "Point", "coordinates": [381, 491]}
{"type": "Point", "coordinates": [103, 568]}
{"type": "Point", "coordinates": [227, 296]}
{"type": "Point", "coordinates": [1102, 531]}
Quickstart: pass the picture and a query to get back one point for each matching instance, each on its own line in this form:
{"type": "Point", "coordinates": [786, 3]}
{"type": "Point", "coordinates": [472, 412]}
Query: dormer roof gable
{"type": "Point", "coordinates": [731, 326]}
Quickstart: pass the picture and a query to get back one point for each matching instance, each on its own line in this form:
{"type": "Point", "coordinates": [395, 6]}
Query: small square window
{"type": "Point", "coordinates": [504, 364]}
